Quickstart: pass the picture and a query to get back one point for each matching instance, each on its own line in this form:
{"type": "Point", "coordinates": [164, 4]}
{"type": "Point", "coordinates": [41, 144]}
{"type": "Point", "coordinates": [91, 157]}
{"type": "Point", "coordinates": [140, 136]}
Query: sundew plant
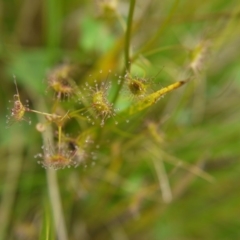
{"type": "Point", "coordinates": [94, 109]}
{"type": "Point", "coordinates": [122, 119]}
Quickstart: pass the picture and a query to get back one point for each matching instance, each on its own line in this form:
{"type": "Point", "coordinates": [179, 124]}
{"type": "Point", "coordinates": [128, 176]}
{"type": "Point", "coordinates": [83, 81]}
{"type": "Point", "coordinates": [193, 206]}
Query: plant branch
{"type": "Point", "coordinates": [53, 187]}
{"type": "Point", "coordinates": [128, 35]}
{"type": "Point", "coordinates": [126, 47]}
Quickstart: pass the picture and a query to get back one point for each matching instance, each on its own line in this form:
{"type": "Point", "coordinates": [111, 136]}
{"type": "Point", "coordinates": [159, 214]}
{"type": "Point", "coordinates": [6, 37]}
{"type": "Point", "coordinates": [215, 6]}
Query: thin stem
{"type": "Point", "coordinates": [53, 187]}
{"type": "Point", "coordinates": [59, 137]}
{"type": "Point", "coordinates": [163, 180]}
{"type": "Point", "coordinates": [74, 113]}
{"type": "Point", "coordinates": [127, 47]}
{"type": "Point", "coordinates": [164, 25]}
{"type": "Point", "coordinates": [43, 113]}
{"type": "Point", "coordinates": [161, 49]}
{"type": "Point", "coordinates": [128, 35]}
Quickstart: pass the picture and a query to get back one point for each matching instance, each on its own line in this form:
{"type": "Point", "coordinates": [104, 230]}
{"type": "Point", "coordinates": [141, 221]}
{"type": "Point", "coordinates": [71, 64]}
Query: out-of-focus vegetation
{"type": "Point", "coordinates": [170, 171]}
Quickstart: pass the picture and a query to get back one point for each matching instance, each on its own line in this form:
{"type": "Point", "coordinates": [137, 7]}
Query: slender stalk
{"type": "Point", "coordinates": [126, 47]}
{"type": "Point", "coordinates": [163, 180]}
{"type": "Point", "coordinates": [163, 26]}
{"type": "Point", "coordinates": [59, 137]}
{"type": "Point", "coordinates": [53, 187]}
{"type": "Point", "coordinates": [55, 199]}
{"type": "Point", "coordinates": [128, 35]}
{"type": "Point", "coordinates": [161, 49]}
{"type": "Point", "coordinates": [43, 113]}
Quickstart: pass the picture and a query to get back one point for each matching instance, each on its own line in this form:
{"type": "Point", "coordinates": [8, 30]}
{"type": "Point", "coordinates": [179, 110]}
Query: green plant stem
{"type": "Point", "coordinates": [43, 113]}
{"type": "Point", "coordinates": [59, 137]}
{"type": "Point", "coordinates": [126, 47]}
{"type": "Point", "coordinates": [128, 35]}
{"type": "Point", "coordinates": [162, 49]}
{"type": "Point", "coordinates": [53, 187]}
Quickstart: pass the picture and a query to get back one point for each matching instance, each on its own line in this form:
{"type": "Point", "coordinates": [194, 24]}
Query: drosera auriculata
{"type": "Point", "coordinates": [97, 96]}
{"type": "Point", "coordinates": [136, 86]}
{"type": "Point", "coordinates": [58, 157]}
{"type": "Point", "coordinates": [18, 110]}
{"type": "Point", "coordinates": [61, 81]}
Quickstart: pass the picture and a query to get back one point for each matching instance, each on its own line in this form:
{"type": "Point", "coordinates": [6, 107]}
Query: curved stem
{"type": "Point", "coordinates": [162, 49]}
{"type": "Point", "coordinates": [164, 25]}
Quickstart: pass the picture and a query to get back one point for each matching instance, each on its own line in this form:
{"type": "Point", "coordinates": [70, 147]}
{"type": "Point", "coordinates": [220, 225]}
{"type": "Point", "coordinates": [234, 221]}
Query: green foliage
{"type": "Point", "coordinates": [122, 154]}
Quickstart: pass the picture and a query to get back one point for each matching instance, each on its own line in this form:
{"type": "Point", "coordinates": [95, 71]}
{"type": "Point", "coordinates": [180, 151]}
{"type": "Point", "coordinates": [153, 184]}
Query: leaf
{"type": "Point", "coordinates": [153, 98]}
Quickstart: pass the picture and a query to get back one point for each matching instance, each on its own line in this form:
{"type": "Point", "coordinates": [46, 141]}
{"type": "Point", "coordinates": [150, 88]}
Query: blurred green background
{"type": "Point", "coordinates": [173, 172]}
